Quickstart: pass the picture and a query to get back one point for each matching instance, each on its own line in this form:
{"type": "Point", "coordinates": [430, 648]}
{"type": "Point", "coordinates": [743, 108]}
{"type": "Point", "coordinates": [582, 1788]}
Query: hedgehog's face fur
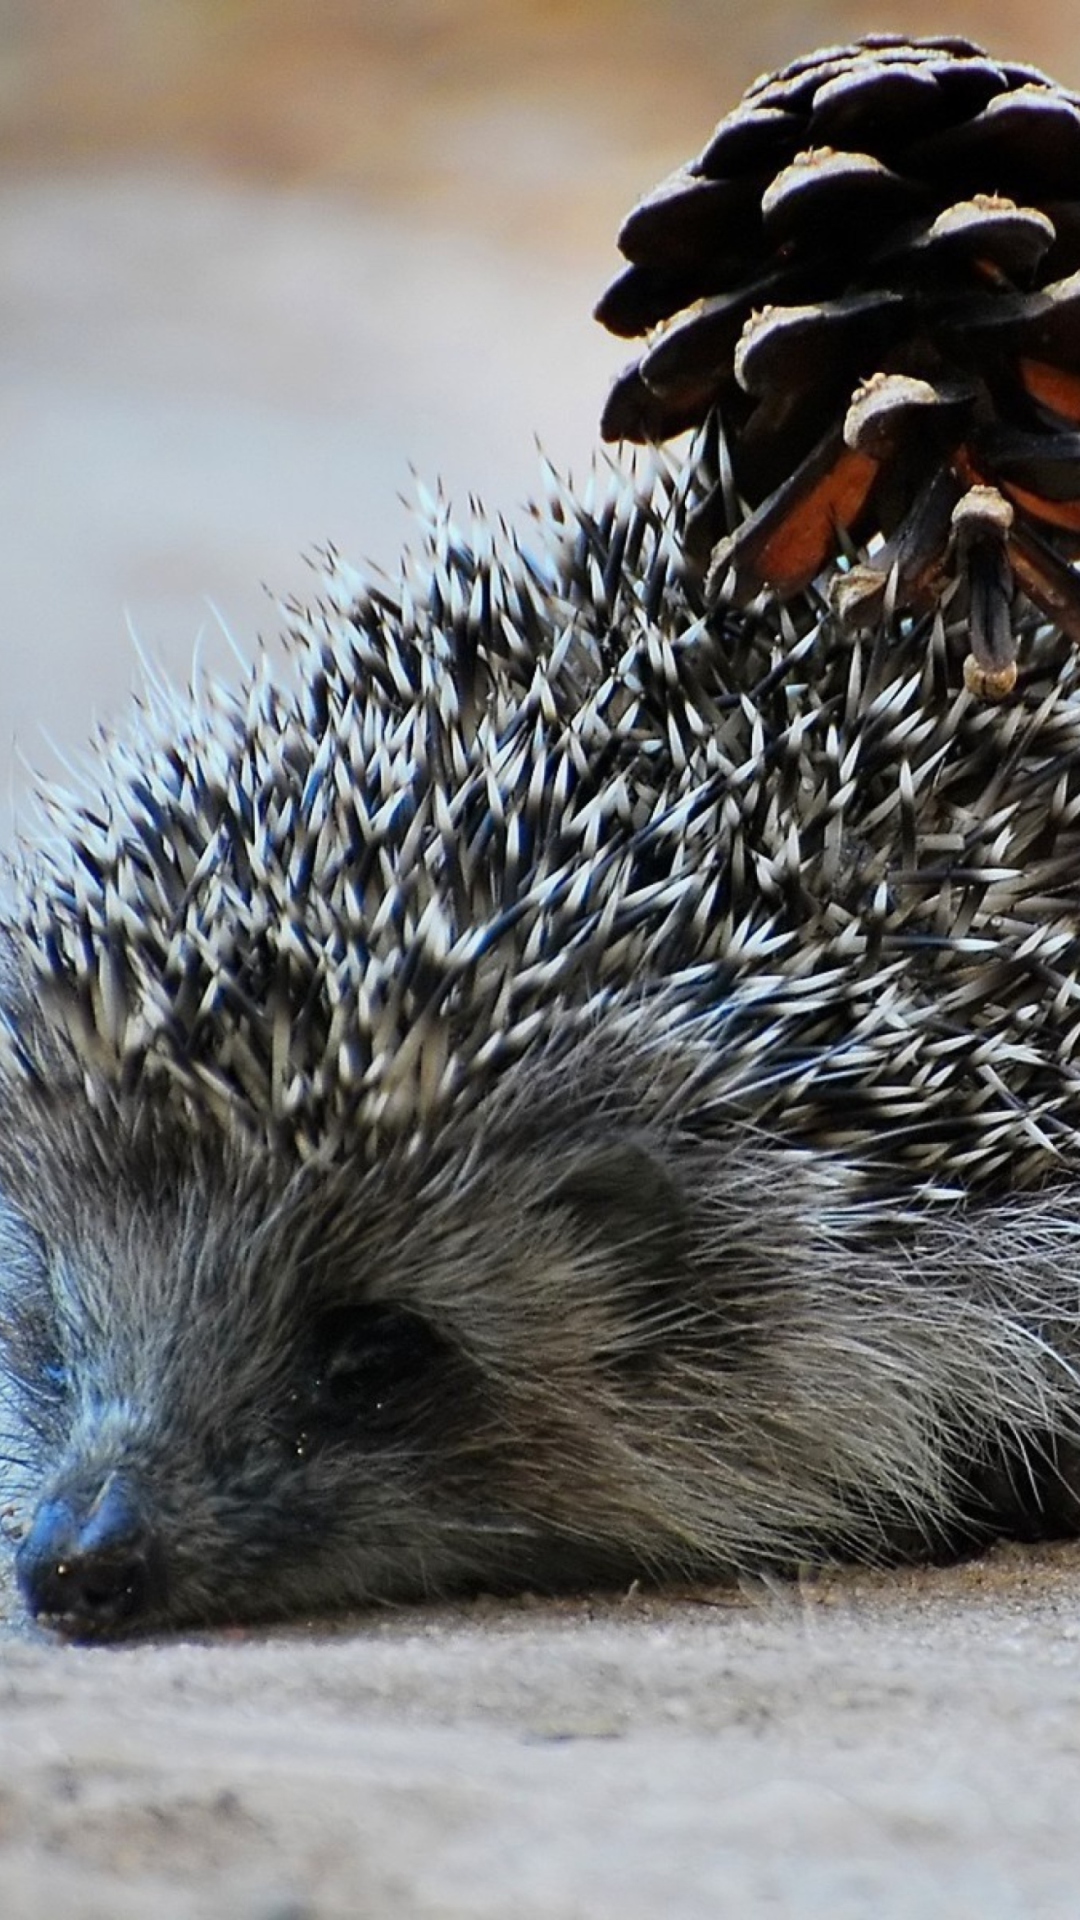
{"type": "Point", "coordinates": [270, 1390]}
{"type": "Point", "coordinates": [245, 1391]}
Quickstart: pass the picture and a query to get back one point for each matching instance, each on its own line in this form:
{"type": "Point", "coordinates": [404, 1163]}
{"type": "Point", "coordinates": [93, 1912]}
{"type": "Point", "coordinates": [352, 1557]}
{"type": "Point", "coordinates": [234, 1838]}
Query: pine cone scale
{"type": "Point", "coordinates": [691, 346]}
{"type": "Point", "coordinates": [1000, 236]}
{"type": "Point", "coordinates": [1056, 392]}
{"type": "Point", "coordinates": [888, 405]}
{"type": "Point", "coordinates": [687, 220]}
{"type": "Point", "coordinates": [1048, 467]}
{"type": "Point", "coordinates": [829, 488]}
{"type": "Point", "coordinates": [1041, 325]}
{"type": "Point", "coordinates": [640, 297]}
{"type": "Point", "coordinates": [750, 140]}
{"type": "Point", "coordinates": [904, 100]}
{"type": "Point", "coordinates": [822, 190]}
{"type": "Point", "coordinates": [1025, 142]}
{"type": "Point", "coordinates": [633, 411]}
{"type": "Point", "coordinates": [795, 346]}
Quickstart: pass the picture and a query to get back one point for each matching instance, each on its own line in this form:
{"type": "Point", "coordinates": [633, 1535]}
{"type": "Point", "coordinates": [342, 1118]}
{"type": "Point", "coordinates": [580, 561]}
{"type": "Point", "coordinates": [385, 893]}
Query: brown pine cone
{"type": "Point", "coordinates": [871, 273]}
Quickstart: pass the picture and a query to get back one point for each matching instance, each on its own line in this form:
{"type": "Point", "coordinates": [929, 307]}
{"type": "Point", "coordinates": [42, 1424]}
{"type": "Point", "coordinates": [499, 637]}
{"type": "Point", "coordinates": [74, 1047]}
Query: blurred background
{"type": "Point", "coordinates": [260, 259]}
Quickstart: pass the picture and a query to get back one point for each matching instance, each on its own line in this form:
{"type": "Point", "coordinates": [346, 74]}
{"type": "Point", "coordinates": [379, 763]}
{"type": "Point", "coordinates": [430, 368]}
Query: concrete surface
{"type": "Point", "coordinates": [901, 1746]}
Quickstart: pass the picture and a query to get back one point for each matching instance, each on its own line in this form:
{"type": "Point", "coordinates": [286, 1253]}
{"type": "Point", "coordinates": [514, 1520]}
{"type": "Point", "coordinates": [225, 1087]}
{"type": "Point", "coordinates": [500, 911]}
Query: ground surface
{"type": "Point", "coordinates": [239, 299]}
{"type": "Point", "coordinates": [866, 1746]}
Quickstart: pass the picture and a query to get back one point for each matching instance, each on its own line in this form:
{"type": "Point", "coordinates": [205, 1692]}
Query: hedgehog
{"type": "Point", "coordinates": [574, 1080]}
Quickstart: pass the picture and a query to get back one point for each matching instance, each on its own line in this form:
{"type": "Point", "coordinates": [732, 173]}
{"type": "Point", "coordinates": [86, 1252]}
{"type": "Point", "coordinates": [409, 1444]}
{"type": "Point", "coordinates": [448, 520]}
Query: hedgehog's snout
{"type": "Point", "coordinates": [91, 1563]}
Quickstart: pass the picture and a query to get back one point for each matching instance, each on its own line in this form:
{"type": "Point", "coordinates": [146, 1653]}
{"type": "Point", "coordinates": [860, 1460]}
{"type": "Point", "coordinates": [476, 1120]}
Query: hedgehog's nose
{"type": "Point", "coordinates": [90, 1566]}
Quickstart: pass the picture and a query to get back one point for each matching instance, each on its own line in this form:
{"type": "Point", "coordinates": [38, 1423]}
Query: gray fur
{"type": "Point", "coordinates": [673, 1017]}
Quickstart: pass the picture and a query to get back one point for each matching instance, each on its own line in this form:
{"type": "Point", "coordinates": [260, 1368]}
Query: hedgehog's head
{"type": "Point", "coordinates": [242, 1388]}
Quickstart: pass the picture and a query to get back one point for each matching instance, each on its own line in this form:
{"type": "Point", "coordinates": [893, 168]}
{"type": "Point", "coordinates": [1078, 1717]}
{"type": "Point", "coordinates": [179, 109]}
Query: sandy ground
{"type": "Point", "coordinates": [202, 377]}
{"type": "Point", "coordinates": [903, 1745]}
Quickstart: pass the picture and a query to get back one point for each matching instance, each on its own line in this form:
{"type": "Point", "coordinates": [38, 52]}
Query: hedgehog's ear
{"type": "Point", "coordinates": [623, 1189]}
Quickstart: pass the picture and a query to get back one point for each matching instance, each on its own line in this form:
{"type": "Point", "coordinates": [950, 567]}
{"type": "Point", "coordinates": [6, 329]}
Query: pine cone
{"type": "Point", "coordinates": [871, 273]}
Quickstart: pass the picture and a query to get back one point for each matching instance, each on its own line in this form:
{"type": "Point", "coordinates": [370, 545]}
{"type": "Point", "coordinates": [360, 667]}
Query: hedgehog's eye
{"type": "Point", "coordinates": [369, 1365]}
{"type": "Point", "coordinates": [54, 1376]}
